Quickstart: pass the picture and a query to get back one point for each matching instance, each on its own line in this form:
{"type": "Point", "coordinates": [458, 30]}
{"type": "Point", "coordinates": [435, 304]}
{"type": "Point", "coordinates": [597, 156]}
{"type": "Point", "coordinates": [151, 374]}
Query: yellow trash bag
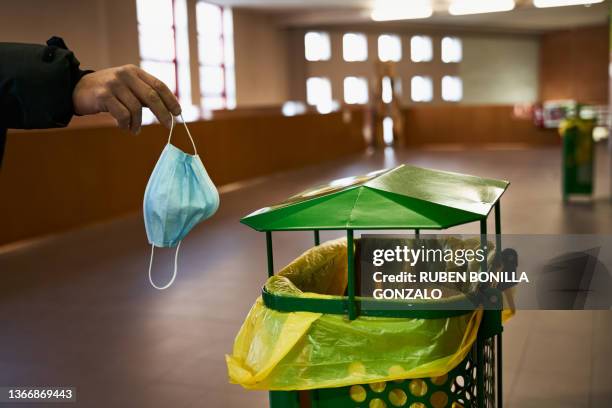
{"type": "Point", "coordinates": [302, 350]}
{"type": "Point", "coordinates": [321, 269]}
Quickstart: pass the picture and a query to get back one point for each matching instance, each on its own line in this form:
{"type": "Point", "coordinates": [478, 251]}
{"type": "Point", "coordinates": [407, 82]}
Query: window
{"type": "Point", "coordinates": [452, 88]}
{"type": "Point", "coordinates": [389, 48]}
{"type": "Point", "coordinates": [355, 90]}
{"type": "Point", "coordinates": [216, 56]}
{"type": "Point", "coordinates": [387, 90]}
{"type": "Point", "coordinates": [319, 94]}
{"type": "Point", "coordinates": [451, 49]}
{"type": "Point", "coordinates": [421, 89]}
{"type": "Point", "coordinates": [354, 47]}
{"type": "Point", "coordinates": [421, 49]}
{"type": "Point", "coordinates": [388, 130]}
{"type": "Point", "coordinates": [157, 42]}
{"type": "Point", "coordinates": [317, 46]}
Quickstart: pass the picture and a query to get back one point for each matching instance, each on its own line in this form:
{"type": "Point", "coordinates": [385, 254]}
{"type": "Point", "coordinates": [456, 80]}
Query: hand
{"type": "Point", "coordinates": [123, 92]}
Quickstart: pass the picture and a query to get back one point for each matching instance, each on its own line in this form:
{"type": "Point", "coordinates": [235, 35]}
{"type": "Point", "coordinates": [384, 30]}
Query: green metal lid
{"type": "Point", "coordinates": [403, 197]}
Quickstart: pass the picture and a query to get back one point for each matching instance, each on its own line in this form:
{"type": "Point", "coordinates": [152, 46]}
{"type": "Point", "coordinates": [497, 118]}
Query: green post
{"type": "Point", "coordinates": [483, 243]}
{"type": "Point", "coordinates": [480, 339]}
{"type": "Point", "coordinates": [350, 255]}
{"type": "Point", "coordinates": [498, 341]}
{"type": "Point", "coordinates": [270, 254]}
{"type": "Point", "coordinates": [284, 399]}
{"type": "Point", "coordinates": [317, 238]}
{"type": "Point", "coordinates": [500, 371]}
{"type": "Point", "coordinates": [498, 228]}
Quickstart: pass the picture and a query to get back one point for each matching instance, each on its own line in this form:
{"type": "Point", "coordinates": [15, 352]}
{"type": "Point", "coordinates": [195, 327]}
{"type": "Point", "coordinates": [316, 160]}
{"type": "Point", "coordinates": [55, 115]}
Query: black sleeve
{"type": "Point", "coordinates": [36, 84]}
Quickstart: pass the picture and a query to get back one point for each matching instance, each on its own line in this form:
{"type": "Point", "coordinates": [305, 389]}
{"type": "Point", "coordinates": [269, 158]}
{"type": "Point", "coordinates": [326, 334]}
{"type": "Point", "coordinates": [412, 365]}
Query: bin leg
{"type": "Point", "coordinates": [498, 242]}
{"type": "Point", "coordinates": [270, 253]}
{"type": "Point", "coordinates": [350, 252]}
{"type": "Point", "coordinates": [500, 383]}
{"type": "Point", "coordinates": [284, 399]}
{"type": "Point", "coordinates": [480, 388]}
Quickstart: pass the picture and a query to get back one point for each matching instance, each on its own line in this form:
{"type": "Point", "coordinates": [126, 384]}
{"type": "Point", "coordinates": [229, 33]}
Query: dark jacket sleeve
{"type": "Point", "coordinates": [36, 84]}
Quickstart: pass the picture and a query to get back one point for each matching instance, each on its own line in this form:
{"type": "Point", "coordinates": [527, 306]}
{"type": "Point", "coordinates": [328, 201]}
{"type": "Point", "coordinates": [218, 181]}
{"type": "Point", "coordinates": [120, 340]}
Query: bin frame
{"type": "Point", "coordinates": [491, 325]}
{"type": "Point", "coordinates": [490, 329]}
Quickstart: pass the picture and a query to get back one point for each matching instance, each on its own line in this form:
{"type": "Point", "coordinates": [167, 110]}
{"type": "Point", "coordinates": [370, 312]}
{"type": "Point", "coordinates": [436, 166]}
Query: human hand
{"type": "Point", "coordinates": [123, 92]}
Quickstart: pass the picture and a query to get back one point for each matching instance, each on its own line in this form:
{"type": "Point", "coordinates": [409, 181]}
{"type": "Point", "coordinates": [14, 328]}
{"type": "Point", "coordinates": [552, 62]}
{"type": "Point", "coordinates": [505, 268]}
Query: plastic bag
{"type": "Point", "coordinates": [321, 269]}
{"type": "Point", "coordinates": [302, 350]}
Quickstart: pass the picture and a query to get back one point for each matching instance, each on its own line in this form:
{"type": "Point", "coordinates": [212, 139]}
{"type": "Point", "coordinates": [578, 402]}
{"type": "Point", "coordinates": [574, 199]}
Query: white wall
{"type": "Point", "coordinates": [500, 69]}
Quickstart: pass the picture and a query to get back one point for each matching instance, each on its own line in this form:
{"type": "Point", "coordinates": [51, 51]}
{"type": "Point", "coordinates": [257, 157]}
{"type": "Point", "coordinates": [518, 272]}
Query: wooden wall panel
{"type": "Point", "coordinates": [55, 180]}
{"type": "Point", "coordinates": [471, 125]}
{"type": "Point", "coordinates": [52, 181]}
{"type": "Point", "coordinates": [574, 65]}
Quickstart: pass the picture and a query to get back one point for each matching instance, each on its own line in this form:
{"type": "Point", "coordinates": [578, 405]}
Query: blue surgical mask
{"type": "Point", "coordinates": [179, 195]}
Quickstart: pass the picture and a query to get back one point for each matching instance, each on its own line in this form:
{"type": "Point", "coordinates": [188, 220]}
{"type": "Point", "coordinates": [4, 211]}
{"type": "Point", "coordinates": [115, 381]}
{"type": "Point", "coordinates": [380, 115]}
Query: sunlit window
{"type": "Point", "coordinates": [387, 90]}
{"type": "Point", "coordinates": [317, 46]}
{"type": "Point", "coordinates": [355, 90]}
{"type": "Point", "coordinates": [451, 49]}
{"type": "Point", "coordinates": [452, 88]}
{"type": "Point", "coordinates": [158, 44]}
{"type": "Point", "coordinates": [421, 49]}
{"type": "Point", "coordinates": [389, 48]}
{"type": "Point", "coordinates": [421, 89]}
{"type": "Point", "coordinates": [319, 94]}
{"type": "Point", "coordinates": [216, 56]}
{"type": "Point", "coordinates": [354, 47]}
{"type": "Point", "coordinates": [388, 130]}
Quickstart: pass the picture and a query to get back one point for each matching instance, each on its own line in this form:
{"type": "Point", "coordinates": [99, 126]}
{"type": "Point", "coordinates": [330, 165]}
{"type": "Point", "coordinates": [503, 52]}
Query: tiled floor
{"type": "Point", "coordinates": [77, 309]}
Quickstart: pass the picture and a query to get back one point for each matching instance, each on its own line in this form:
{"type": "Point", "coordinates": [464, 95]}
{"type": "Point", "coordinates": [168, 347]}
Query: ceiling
{"type": "Point", "coordinates": [525, 17]}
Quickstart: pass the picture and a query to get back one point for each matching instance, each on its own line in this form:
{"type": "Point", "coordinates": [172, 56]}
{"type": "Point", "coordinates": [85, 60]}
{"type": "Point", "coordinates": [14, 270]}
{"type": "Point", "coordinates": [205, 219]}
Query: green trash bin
{"type": "Point", "coordinates": [578, 156]}
{"type": "Point", "coordinates": [401, 198]}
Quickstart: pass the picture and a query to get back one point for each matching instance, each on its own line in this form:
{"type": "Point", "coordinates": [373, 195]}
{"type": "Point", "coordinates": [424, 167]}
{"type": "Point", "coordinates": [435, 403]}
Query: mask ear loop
{"type": "Point", "coordinates": [195, 151]}
{"type": "Point", "coordinates": [167, 285]}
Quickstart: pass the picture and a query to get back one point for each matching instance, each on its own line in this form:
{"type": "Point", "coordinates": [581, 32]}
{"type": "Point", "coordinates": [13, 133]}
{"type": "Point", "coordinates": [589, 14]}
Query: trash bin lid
{"type": "Point", "coordinates": [404, 197]}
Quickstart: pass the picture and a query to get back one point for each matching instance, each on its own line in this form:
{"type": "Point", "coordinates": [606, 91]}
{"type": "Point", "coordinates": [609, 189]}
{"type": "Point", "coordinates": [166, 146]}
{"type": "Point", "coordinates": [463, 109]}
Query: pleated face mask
{"type": "Point", "coordinates": [179, 195]}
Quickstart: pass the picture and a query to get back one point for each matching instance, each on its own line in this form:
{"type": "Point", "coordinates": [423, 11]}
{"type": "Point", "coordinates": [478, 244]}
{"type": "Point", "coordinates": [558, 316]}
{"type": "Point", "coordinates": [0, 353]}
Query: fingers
{"type": "Point", "coordinates": [128, 100]}
{"type": "Point", "coordinates": [118, 111]}
{"type": "Point", "coordinates": [168, 98]}
{"type": "Point", "coordinates": [151, 92]}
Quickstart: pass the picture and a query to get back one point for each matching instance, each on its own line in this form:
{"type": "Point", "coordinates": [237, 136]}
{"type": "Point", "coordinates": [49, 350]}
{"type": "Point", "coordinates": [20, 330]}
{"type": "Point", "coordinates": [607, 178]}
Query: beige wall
{"type": "Point", "coordinates": [500, 70]}
{"type": "Point", "coordinates": [102, 33]}
{"type": "Point", "coordinates": [496, 68]}
{"type": "Point", "coordinates": [336, 69]}
{"type": "Point", "coordinates": [261, 53]}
